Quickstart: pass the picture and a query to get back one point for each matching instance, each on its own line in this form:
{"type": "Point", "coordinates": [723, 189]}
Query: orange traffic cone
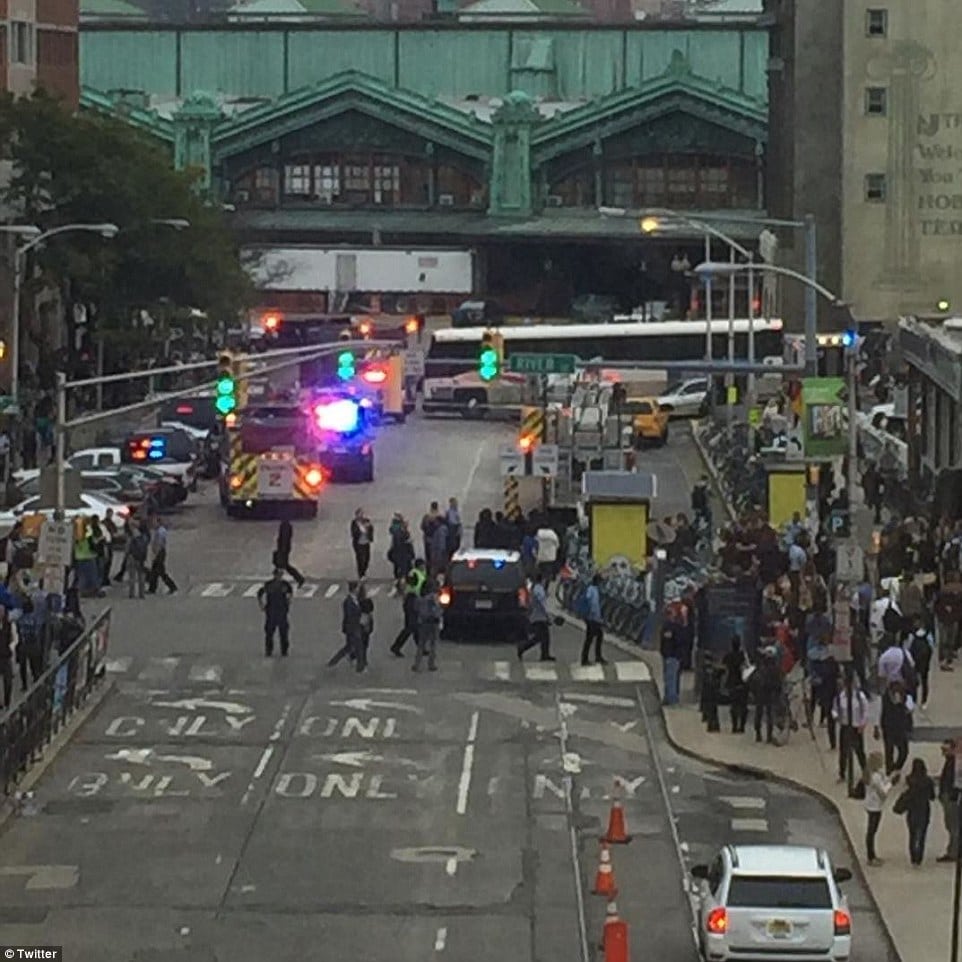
{"type": "Point", "coordinates": [617, 833]}
{"type": "Point", "coordinates": [605, 876]}
{"type": "Point", "coordinates": [614, 939]}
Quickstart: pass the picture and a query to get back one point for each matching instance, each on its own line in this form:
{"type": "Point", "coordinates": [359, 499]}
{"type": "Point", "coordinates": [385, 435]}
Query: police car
{"type": "Point", "coordinates": [485, 594]}
{"type": "Point", "coordinates": [345, 438]}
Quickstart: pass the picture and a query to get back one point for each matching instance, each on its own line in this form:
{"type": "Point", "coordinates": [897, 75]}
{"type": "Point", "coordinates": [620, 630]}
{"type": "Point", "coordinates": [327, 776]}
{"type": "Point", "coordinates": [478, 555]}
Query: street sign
{"type": "Point", "coordinates": [55, 548]}
{"type": "Point", "coordinates": [839, 523]}
{"type": "Point", "coordinates": [544, 461]}
{"type": "Point", "coordinates": [512, 461]}
{"type": "Point", "coordinates": [542, 363]}
{"type": "Point", "coordinates": [849, 561]}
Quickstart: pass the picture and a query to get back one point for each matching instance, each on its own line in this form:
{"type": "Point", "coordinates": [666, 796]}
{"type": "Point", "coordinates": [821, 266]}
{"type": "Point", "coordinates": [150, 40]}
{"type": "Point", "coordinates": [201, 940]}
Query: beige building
{"type": "Point", "coordinates": [902, 157]}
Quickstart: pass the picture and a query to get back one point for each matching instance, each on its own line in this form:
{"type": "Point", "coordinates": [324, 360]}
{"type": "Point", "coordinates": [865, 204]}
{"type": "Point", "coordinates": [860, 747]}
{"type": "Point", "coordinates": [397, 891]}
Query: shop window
{"type": "Point", "coordinates": [714, 180]}
{"type": "Point", "coordinates": [621, 186]}
{"type": "Point", "coordinates": [297, 180]}
{"type": "Point", "coordinates": [265, 184]}
{"type": "Point", "coordinates": [682, 184]}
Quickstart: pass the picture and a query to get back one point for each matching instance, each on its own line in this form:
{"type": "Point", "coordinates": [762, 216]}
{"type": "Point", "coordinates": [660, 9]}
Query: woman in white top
{"type": "Point", "coordinates": [877, 788]}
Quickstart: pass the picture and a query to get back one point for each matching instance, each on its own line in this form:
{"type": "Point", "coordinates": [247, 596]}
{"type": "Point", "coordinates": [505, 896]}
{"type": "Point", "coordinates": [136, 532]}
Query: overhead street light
{"type": "Point", "coordinates": [710, 268]}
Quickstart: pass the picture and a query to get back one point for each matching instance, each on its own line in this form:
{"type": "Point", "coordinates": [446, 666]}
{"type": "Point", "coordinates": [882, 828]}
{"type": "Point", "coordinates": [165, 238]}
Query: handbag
{"type": "Point", "coordinates": [901, 805]}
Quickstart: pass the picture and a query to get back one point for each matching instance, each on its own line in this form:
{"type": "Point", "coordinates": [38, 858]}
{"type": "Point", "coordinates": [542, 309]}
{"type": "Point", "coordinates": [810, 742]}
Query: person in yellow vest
{"type": "Point", "coordinates": [85, 561]}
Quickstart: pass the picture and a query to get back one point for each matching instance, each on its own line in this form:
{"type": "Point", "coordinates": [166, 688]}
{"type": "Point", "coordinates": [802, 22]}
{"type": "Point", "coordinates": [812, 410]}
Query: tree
{"type": "Point", "coordinates": [84, 168]}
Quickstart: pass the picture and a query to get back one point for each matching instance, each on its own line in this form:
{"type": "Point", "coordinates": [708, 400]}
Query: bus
{"type": "Point", "coordinates": [451, 379]}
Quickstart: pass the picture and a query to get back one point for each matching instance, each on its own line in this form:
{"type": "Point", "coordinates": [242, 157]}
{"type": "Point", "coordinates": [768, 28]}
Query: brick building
{"type": "Point", "coordinates": [39, 47]}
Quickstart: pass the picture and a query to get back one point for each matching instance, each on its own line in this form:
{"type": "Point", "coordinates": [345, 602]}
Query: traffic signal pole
{"type": "Point", "coordinates": [291, 356]}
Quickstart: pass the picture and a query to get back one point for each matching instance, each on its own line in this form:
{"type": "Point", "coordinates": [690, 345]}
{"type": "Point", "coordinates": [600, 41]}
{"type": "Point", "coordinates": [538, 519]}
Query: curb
{"type": "Point", "coordinates": [712, 472]}
{"type": "Point", "coordinates": [56, 746]}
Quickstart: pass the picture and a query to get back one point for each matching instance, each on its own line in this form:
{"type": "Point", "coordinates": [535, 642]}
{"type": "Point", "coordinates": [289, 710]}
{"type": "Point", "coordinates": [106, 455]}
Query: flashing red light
{"type": "Point", "coordinates": [236, 481]}
{"type": "Point", "coordinates": [717, 921]}
{"type": "Point", "coordinates": [271, 322]}
{"type": "Point", "coordinates": [444, 596]}
{"type": "Point", "coordinates": [139, 455]}
{"type": "Point", "coordinates": [526, 443]}
{"type": "Point", "coordinates": [843, 922]}
{"type": "Point", "coordinates": [375, 375]}
{"type": "Point", "coordinates": [314, 477]}
{"type": "Point", "coordinates": [184, 409]}
{"type": "Point", "coordinates": [411, 325]}
{"type": "Point", "coordinates": [365, 328]}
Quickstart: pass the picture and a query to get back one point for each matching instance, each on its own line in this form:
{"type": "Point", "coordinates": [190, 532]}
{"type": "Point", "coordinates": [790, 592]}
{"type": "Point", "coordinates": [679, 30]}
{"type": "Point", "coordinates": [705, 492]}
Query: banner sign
{"type": "Point", "coordinates": [823, 405]}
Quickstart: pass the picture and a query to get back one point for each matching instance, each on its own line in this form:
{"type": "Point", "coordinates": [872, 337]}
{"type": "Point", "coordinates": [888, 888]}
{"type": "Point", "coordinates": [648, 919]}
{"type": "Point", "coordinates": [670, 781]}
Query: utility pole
{"type": "Point", "coordinates": [811, 305]}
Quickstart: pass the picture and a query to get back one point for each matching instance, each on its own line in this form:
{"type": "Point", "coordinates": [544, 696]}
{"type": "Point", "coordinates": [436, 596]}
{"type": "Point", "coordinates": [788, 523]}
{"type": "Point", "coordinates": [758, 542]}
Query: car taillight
{"type": "Point", "coordinates": [444, 596]}
{"type": "Point", "coordinates": [314, 477]}
{"type": "Point", "coordinates": [366, 450]}
{"type": "Point", "coordinates": [843, 922]}
{"type": "Point", "coordinates": [717, 921]}
{"type": "Point", "coordinates": [236, 481]}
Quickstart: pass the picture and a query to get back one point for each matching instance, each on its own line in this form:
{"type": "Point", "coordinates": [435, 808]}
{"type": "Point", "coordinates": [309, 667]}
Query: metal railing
{"type": "Point", "coordinates": [29, 726]}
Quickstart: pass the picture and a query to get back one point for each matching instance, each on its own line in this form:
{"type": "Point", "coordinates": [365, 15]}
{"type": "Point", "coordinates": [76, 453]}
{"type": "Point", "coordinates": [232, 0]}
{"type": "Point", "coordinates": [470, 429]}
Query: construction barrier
{"type": "Point", "coordinates": [512, 498]}
{"type": "Point", "coordinates": [605, 876]}
{"type": "Point", "coordinates": [617, 833]}
{"type": "Point", "coordinates": [614, 939]}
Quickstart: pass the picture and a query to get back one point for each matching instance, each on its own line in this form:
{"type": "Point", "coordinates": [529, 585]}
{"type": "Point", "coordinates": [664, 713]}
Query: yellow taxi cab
{"type": "Point", "coordinates": [649, 420]}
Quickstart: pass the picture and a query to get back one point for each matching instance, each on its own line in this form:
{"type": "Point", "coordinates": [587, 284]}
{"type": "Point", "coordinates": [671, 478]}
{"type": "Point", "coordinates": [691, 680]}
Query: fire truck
{"type": "Point", "coordinates": [271, 458]}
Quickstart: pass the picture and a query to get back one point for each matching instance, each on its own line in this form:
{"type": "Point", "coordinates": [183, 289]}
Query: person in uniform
{"type": "Point", "coordinates": [274, 598]}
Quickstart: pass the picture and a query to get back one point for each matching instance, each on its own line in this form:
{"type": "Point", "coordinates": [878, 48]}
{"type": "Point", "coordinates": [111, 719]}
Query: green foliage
{"type": "Point", "coordinates": [83, 168]}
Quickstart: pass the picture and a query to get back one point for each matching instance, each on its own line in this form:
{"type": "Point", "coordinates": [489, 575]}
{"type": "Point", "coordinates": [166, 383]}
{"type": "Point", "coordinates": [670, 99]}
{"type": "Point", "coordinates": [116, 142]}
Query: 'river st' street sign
{"type": "Point", "coordinates": [542, 363]}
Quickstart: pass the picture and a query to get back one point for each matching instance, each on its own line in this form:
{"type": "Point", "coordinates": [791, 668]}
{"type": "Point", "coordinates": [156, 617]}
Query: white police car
{"type": "Point", "coordinates": [772, 903]}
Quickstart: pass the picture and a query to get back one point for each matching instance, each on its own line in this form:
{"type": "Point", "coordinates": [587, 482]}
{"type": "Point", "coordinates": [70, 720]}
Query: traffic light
{"type": "Point", "coordinates": [225, 401]}
{"type": "Point", "coordinates": [346, 368]}
{"type": "Point", "coordinates": [489, 356]}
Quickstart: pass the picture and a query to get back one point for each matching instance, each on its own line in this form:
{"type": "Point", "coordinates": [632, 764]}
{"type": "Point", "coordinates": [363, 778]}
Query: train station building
{"type": "Point", "coordinates": [503, 139]}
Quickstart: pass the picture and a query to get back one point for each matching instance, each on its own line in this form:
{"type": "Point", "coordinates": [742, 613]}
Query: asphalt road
{"type": "Point", "coordinates": [222, 806]}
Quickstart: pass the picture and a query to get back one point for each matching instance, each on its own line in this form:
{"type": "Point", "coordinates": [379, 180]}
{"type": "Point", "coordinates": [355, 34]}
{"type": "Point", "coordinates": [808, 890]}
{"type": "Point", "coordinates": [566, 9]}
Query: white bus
{"type": "Point", "coordinates": [451, 381]}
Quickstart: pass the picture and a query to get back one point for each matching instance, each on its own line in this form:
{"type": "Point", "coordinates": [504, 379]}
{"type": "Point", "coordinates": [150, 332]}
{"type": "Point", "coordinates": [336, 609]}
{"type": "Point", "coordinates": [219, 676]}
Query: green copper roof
{"type": "Point", "coordinates": [110, 9]}
{"type": "Point", "coordinates": [286, 8]}
{"type": "Point", "coordinates": [146, 120]}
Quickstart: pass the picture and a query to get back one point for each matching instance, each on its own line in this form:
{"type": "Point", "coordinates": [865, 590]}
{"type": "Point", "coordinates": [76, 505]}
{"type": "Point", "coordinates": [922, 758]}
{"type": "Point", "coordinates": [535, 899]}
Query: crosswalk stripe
{"type": "Point", "coordinates": [251, 592]}
{"type": "Point", "coordinates": [587, 672]}
{"type": "Point", "coordinates": [159, 669]}
{"type": "Point", "coordinates": [208, 673]}
{"type": "Point", "coordinates": [743, 801]}
{"type": "Point", "coordinates": [217, 589]}
{"type": "Point", "coordinates": [632, 671]}
{"type": "Point", "coordinates": [306, 591]}
{"type": "Point", "coordinates": [373, 590]}
{"type": "Point", "coordinates": [118, 666]}
{"type": "Point", "coordinates": [332, 591]}
{"type": "Point", "coordinates": [502, 670]}
{"type": "Point", "coordinates": [540, 673]}
{"type": "Point", "coordinates": [749, 825]}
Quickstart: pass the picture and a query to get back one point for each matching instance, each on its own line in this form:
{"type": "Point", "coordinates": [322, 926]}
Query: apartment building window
{"type": "Point", "coordinates": [875, 188]}
{"type": "Point", "coordinates": [877, 22]}
{"type": "Point", "coordinates": [876, 101]}
{"type": "Point", "coordinates": [21, 42]}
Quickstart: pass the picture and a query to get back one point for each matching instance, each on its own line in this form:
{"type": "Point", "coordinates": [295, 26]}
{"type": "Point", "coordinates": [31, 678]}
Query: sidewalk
{"type": "Point", "coordinates": [915, 904]}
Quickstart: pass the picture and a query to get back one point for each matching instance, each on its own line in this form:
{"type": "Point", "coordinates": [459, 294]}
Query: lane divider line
{"type": "Point", "coordinates": [440, 940]}
{"type": "Point", "coordinates": [464, 785]}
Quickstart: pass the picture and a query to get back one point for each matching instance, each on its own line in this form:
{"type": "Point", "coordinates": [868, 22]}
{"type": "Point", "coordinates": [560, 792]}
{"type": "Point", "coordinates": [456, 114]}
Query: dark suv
{"type": "Point", "coordinates": [485, 594]}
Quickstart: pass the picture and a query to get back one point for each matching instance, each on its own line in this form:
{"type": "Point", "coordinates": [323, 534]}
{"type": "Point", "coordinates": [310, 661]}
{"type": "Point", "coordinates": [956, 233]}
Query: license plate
{"type": "Point", "coordinates": [274, 477]}
{"type": "Point", "coordinates": [779, 928]}
{"type": "Point", "coordinates": [484, 603]}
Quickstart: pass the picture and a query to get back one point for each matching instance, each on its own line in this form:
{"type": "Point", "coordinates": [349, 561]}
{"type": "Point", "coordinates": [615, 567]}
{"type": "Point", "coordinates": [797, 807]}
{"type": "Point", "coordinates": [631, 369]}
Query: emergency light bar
{"type": "Point", "coordinates": [340, 416]}
{"type": "Point", "coordinates": [375, 375]}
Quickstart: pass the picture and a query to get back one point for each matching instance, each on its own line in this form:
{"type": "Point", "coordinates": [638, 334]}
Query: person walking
{"type": "Point", "coordinates": [282, 553]}
{"type": "Point", "coordinates": [949, 800]}
{"type": "Point", "coordinates": [850, 711]}
{"type": "Point", "coordinates": [367, 625]}
{"type": "Point", "coordinates": [401, 551]}
{"type": "Point", "coordinates": [29, 645]}
{"type": "Point", "coordinates": [921, 646]}
{"type": "Point", "coordinates": [409, 607]}
{"type": "Point", "coordinates": [135, 559]}
{"type": "Point", "coordinates": [438, 556]}
{"type": "Point", "coordinates": [429, 626]}
{"type": "Point", "coordinates": [877, 788]}
{"type": "Point", "coordinates": [735, 664]}
{"type": "Point", "coordinates": [895, 725]}
{"type": "Point", "coordinates": [766, 686]}
{"type": "Point", "coordinates": [158, 559]}
{"type": "Point", "coordinates": [274, 598]}
{"type": "Point", "coordinates": [671, 645]}
{"type": "Point", "coordinates": [362, 537]}
{"type": "Point", "coordinates": [452, 519]}
{"type": "Point", "coordinates": [590, 610]}
{"type": "Point", "coordinates": [111, 542]}
{"type": "Point", "coordinates": [916, 803]}
{"type": "Point", "coordinates": [350, 628]}
{"type": "Point", "coordinates": [538, 621]}
{"type": "Point", "coordinates": [948, 616]}
{"type": "Point", "coordinates": [428, 523]}
{"type": "Point", "coordinates": [549, 545]}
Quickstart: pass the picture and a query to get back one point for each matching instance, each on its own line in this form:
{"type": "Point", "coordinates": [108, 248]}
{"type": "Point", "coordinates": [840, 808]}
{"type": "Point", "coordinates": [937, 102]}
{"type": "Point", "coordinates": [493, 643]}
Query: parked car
{"type": "Point", "coordinates": [649, 421]}
{"type": "Point", "coordinates": [772, 902]}
{"type": "Point", "coordinates": [485, 592]}
{"type": "Point", "coordinates": [686, 399]}
{"type": "Point", "coordinates": [109, 458]}
{"type": "Point", "coordinates": [121, 485]}
{"type": "Point", "coordinates": [170, 450]}
{"type": "Point", "coordinates": [90, 503]}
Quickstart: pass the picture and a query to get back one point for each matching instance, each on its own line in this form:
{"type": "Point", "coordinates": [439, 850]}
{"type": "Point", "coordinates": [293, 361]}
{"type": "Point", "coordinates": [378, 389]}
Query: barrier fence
{"type": "Point", "coordinates": [29, 726]}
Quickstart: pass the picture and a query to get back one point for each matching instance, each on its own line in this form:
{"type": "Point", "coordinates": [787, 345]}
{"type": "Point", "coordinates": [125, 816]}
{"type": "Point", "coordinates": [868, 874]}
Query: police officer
{"type": "Point", "coordinates": [413, 585]}
{"type": "Point", "coordinates": [274, 598]}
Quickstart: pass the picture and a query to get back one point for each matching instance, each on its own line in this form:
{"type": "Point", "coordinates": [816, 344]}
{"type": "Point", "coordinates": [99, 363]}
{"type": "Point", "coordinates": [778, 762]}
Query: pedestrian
{"type": "Point", "coordinates": [877, 788]}
{"type": "Point", "coordinates": [409, 607]}
{"type": "Point", "coordinates": [351, 629]}
{"type": "Point", "coordinates": [29, 645]}
{"type": "Point", "coordinates": [362, 537]}
{"type": "Point", "coordinates": [438, 556]}
{"type": "Point", "coordinates": [895, 725]}
{"type": "Point", "coordinates": [590, 611]}
{"type": "Point", "coordinates": [111, 542]}
{"type": "Point", "coordinates": [127, 529]}
{"type": "Point", "coordinates": [158, 559]}
{"type": "Point", "coordinates": [670, 662]}
{"type": "Point", "coordinates": [428, 523]}
{"type": "Point", "coordinates": [766, 686]}
{"type": "Point", "coordinates": [429, 626]}
{"type": "Point", "coordinates": [135, 559]}
{"type": "Point", "coordinates": [274, 598]}
{"type": "Point", "coordinates": [538, 621]}
{"type": "Point", "coordinates": [85, 560]}
{"type": "Point", "coordinates": [850, 711]}
{"type": "Point", "coordinates": [98, 542]}
{"type": "Point", "coordinates": [549, 545]}
{"type": "Point", "coordinates": [400, 554]}
{"type": "Point", "coordinates": [949, 800]}
{"type": "Point", "coordinates": [921, 647]}
{"type": "Point", "coordinates": [948, 616]}
{"type": "Point", "coordinates": [735, 665]}
{"type": "Point", "coordinates": [915, 803]}
{"type": "Point", "coordinates": [6, 656]}
{"type": "Point", "coordinates": [452, 519]}
{"type": "Point", "coordinates": [367, 623]}
{"type": "Point", "coordinates": [282, 553]}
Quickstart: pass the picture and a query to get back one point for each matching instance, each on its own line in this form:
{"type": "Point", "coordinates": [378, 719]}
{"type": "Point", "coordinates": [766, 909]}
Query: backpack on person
{"type": "Point", "coordinates": [582, 606]}
{"type": "Point", "coordinates": [891, 619]}
{"type": "Point", "coordinates": [908, 673]}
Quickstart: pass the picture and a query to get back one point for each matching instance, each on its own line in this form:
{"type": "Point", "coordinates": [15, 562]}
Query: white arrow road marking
{"type": "Point", "coordinates": [625, 726]}
{"type": "Point", "coordinates": [196, 704]}
{"type": "Point", "coordinates": [143, 756]}
{"type": "Point", "coordinates": [371, 704]}
{"type": "Point", "coordinates": [439, 854]}
{"type": "Point", "coordinates": [44, 876]}
{"type": "Point", "coordinates": [332, 591]}
{"type": "Point", "coordinates": [353, 759]}
{"type": "Point", "coordinates": [208, 673]}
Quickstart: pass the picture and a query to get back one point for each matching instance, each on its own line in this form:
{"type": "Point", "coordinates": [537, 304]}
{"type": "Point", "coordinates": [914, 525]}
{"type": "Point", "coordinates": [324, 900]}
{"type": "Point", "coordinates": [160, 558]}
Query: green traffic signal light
{"type": "Point", "coordinates": [226, 399]}
{"type": "Point", "coordinates": [345, 366]}
{"type": "Point", "coordinates": [488, 364]}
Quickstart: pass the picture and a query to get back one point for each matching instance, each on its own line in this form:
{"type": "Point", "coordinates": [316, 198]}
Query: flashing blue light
{"type": "Point", "coordinates": [339, 416]}
{"type": "Point", "coordinates": [498, 564]}
{"type": "Point", "coordinates": [155, 454]}
{"type": "Point", "coordinates": [848, 338]}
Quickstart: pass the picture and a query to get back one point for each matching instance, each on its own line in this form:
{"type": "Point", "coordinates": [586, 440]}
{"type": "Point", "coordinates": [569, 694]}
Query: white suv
{"type": "Point", "coordinates": [772, 903]}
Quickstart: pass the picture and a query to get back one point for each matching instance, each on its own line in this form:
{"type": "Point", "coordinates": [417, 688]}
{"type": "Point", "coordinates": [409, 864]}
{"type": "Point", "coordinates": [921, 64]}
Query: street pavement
{"type": "Point", "coordinates": [223, 806]}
